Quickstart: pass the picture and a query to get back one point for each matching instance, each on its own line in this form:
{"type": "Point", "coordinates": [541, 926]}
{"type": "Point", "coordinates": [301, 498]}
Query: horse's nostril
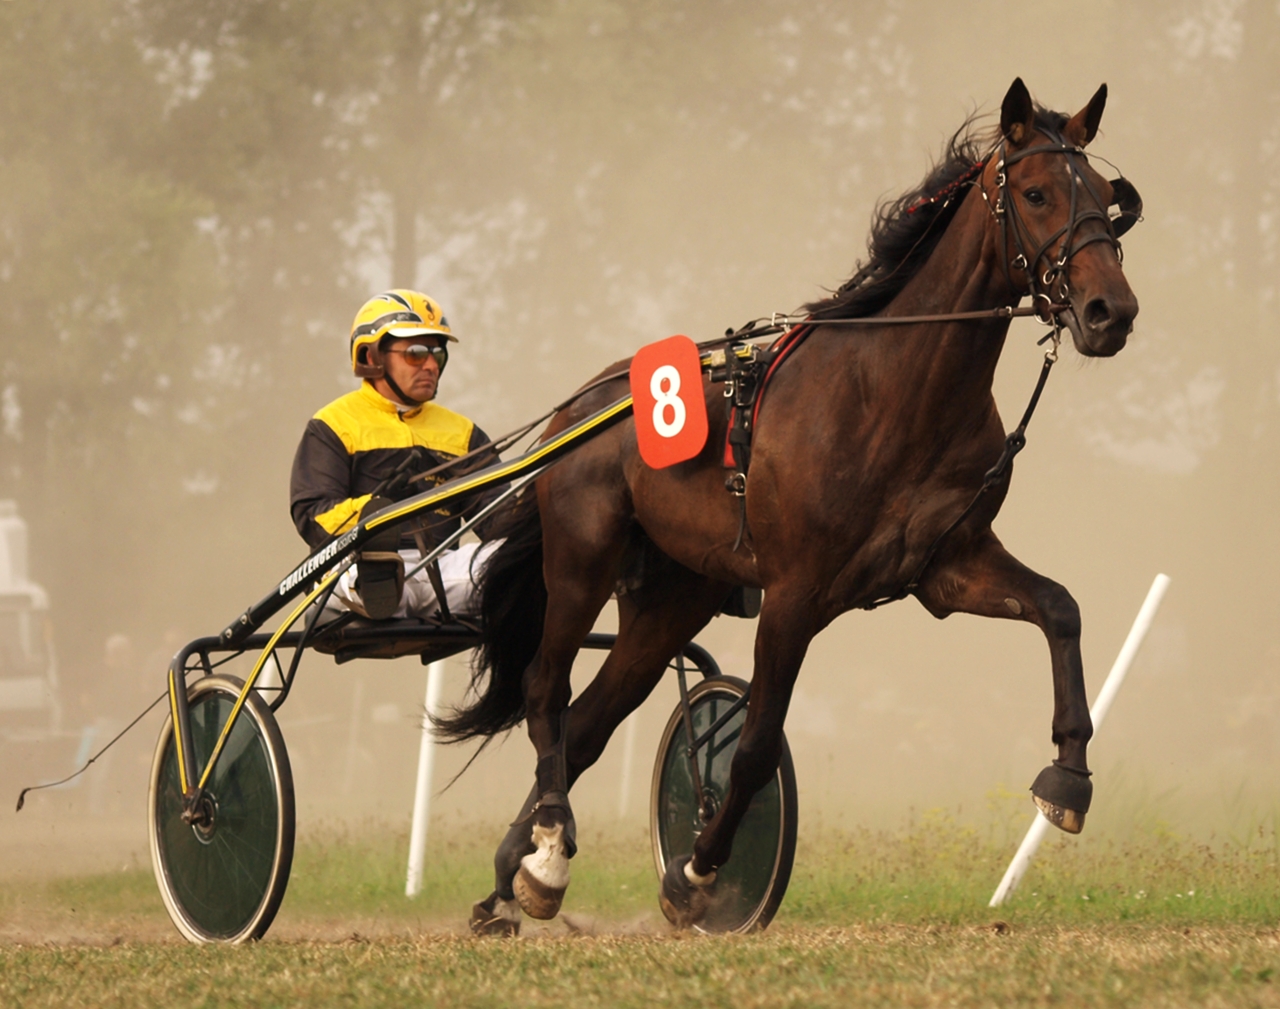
{"type": "Point", "coordinates": [1097, 314]}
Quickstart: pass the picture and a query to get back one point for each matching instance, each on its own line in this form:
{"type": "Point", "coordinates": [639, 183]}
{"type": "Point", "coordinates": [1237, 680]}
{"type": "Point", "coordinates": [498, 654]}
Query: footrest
{"type": "Point", "coordinates": [389, 639]}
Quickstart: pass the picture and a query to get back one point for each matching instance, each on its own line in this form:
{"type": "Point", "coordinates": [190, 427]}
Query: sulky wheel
{"type": "Point", "coordinates": [222, 879]}
{"type": "Point", "coordinates": [750, 886]}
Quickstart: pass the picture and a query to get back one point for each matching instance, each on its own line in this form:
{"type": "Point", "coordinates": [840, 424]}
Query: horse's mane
{"type": "Point", "coordinates": [905, 231]}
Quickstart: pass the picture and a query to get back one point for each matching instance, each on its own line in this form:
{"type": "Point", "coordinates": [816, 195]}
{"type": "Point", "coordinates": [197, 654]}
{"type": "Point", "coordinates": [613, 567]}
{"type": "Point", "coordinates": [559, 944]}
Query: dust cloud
{"type": "Point", "coordinates": [193, 204]}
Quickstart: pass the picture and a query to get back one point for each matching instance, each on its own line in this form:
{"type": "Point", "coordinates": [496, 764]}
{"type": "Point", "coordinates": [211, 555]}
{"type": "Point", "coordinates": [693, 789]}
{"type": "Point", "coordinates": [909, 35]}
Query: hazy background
{"type": "Point", "coordinates": [195, 198]}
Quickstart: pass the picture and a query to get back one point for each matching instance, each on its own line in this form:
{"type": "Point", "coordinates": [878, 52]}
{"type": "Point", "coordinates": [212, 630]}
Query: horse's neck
{"type": "Point", "coordinates": [963, 274]}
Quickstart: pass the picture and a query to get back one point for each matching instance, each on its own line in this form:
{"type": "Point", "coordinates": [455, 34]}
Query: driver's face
{"type": "Point", "coordinates": [418, 380]}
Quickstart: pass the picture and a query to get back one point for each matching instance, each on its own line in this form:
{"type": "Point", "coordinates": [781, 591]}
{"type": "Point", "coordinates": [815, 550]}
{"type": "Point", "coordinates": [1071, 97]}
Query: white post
{"type": "Point", "coordinates": [422, 793]}
{"type": "Point", "coordinates": [1101, 705]}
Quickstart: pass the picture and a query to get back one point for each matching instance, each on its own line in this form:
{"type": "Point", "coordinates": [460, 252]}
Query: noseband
{"type": "Point", "coordinates": [1040, 286]}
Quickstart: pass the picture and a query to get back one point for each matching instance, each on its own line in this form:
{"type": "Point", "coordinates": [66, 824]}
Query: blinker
{"type": "Point", "coordinates": [1124, 196]}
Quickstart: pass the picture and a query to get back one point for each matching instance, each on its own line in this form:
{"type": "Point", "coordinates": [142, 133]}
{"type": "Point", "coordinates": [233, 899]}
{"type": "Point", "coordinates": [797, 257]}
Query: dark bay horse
{"type": "Point", "coordinates": [870, 443]}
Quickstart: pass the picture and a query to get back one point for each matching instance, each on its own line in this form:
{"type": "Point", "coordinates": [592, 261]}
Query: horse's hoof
{"type": "Point", "coordinates": [537, 900]}
{"type": "Point", "coordinates": [1064, 819]}
{"type": "Point", "coordinates": [543, 876]}
{"type": "Point", "coordinates": [684, 898]}
{"type": "Point", "coordinates": [495, 916]}
{"type": "Point", "coordinates": [1063, 795]}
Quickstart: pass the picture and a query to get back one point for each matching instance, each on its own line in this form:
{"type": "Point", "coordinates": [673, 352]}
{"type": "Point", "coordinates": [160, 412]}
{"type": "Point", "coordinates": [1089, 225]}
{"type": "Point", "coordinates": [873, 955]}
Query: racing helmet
{"type": "Point", "coordinates": [399, 313]}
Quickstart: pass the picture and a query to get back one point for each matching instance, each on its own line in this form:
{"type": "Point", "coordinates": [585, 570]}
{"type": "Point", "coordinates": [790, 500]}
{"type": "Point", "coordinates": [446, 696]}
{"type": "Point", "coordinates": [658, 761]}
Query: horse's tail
{"type": "Point", "coordinates": [513, 605]}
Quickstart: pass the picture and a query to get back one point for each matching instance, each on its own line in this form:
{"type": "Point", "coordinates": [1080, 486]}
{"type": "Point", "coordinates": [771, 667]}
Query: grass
{"type": "Point", "coordinates": [868, 965]}
{"type": "Point", "coordinates": [940, 872]}
{"type": "Point", "coordinates": [871, 918]}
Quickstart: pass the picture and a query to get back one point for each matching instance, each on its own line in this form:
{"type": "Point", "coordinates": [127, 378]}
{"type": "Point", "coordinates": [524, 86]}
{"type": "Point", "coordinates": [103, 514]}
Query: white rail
{"type": "Point", "coordinates": [422, 793]}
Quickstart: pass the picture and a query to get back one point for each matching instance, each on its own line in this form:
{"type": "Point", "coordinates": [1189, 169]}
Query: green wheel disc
{"type": "Point", "coordinates": [751, 885]}
{"type": "Point", "coordinates": [222, 880]}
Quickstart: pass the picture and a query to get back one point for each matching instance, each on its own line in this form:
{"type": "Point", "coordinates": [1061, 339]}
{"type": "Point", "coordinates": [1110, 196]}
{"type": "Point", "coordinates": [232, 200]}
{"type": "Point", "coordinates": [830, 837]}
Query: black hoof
{"type": "Point", "coordinates": [683, 903]}
{"type": "Point", "coordinates": [1063, 795]}
{"type": "Point", "coordinates": [495, 916]}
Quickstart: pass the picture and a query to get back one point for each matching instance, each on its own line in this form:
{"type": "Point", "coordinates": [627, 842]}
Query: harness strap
{"type": "Point", "coordinates": [424, 541]}
{"type": "Point", "coordinates": [744, 391]}
{"type": "Point", "coordinates": [742, 387]}
{"type": "Point", "coordinates": [782, 348]}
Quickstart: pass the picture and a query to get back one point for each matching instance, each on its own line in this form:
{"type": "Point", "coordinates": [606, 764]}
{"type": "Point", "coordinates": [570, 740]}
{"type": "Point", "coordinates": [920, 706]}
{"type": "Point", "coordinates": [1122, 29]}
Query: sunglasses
{"type": "Point", "coordinates": [418, 354]}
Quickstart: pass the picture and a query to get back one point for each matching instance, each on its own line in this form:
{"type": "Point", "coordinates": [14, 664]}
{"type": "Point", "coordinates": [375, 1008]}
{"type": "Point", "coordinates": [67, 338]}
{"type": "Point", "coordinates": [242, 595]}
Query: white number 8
{"type": "Point", "coordinates": [669, 398]}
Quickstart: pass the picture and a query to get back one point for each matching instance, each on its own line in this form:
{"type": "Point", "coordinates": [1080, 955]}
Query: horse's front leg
{"type": "Point", "coordinates": [986, 580]}
{"type": "Point", "coordinates": [787, 625]}
{"type": "Point", "coordinates": [580, 561]}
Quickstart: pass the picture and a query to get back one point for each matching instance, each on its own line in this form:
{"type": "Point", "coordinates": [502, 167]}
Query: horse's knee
{"type": "Point", "coordinates": [1059, 612]}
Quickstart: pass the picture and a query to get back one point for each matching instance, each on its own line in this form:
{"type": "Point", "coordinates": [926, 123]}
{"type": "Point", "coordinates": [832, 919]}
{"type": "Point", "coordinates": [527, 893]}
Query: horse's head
{"type": "Point", "coordinates": [1060, 243]}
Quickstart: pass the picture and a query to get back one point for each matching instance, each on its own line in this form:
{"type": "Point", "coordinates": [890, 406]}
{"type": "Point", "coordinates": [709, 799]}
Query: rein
{"type": "Point", "coordinates": [777, 323]}
{"type": "Point", "coordinates": [1045, 314]}
{"type": "Point", "coordinates": [1042, 289]}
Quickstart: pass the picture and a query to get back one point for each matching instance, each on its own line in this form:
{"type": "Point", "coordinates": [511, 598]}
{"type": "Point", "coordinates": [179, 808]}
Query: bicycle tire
{"type": "Point", "coordinates": [224, 881]}
{"type": "Point", "coordinates": [751, 885]}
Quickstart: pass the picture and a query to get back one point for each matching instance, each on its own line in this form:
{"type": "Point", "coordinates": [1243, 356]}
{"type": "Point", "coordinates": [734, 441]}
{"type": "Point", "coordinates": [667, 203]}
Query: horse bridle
{"type": "Point", "coordinates": [1043, 286]}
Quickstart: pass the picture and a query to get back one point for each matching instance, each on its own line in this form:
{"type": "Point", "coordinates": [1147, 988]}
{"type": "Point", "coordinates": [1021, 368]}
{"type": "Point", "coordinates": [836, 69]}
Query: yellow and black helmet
{"type": "Point", "coordinates": [397, 314]}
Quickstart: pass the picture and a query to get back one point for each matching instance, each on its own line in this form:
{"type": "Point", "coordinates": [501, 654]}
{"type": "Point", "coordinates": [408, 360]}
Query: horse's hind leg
{"type": "Point", "coordinates": [584, 536]}
{"type": "Point", "coordinates": [988, 581]}
{"type": "Point", "coordinates": [651, 629]}
{"type": "Point", "coordinates": [531, 865]}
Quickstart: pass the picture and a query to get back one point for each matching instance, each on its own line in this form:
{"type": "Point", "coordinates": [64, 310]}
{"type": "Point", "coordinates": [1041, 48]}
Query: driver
{"type": "Point", "coordinates": [357, 456]}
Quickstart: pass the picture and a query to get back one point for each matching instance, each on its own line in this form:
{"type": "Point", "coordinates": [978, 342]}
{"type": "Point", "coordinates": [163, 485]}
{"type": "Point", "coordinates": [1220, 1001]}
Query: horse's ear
{"type": "Point", "coordinates": [1017, 114]}
{"type": "Point", "coordinates": [1083, 126]}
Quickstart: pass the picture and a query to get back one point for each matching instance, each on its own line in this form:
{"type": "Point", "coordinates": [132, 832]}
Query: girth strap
{"type": "Point", "coordinates": [742, 386]}
{"type": "Point", "coordinates": [745, 384]}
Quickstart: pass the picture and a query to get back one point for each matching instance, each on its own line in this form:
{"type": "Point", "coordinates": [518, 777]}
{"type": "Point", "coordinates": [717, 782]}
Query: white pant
{"type": "Point", "coordinates": [458, 570]}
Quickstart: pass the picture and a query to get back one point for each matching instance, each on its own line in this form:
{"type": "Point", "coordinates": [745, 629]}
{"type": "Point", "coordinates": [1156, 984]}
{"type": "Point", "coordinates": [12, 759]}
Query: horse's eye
{"type": "Point", "coordinates": [1034, 197]}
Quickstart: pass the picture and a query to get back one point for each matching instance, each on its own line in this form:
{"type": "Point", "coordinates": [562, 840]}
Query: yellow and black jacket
{"type": "Point", "coordinates": [355, 443]}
